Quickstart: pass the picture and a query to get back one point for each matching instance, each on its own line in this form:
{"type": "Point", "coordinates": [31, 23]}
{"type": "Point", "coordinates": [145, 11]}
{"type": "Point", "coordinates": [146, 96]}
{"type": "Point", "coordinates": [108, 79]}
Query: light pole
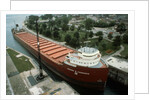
{"type": "Point", "coordinates": [40, 76]}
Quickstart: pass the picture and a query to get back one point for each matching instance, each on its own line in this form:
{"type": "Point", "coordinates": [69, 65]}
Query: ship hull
{"type": "Point", "coordinates": [90, 78]}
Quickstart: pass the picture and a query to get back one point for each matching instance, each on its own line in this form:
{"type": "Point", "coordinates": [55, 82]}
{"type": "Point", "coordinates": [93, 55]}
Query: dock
{"type": "Point", "coordinates": [118, 70]}
{"type": "Point", "coordinates": [25, 83]}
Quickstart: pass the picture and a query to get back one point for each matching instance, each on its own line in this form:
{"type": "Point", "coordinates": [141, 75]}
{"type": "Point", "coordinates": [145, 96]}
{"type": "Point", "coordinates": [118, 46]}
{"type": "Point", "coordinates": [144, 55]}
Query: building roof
{"type": "Point", "coordinates": [118, 63]}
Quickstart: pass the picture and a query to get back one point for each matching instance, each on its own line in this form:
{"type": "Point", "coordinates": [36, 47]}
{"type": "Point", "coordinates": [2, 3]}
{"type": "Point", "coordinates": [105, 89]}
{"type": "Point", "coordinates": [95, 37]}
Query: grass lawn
{"type": "Point", "coordinates": [22, 63]}
{"type": "Point", "coordinates": [125, 52]}
{"type": "Point", "coordinates": [103, 46]}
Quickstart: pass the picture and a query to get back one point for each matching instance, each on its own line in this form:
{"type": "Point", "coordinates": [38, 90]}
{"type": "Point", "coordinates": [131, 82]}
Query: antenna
{"type": "Point", "coordinates": [40, 76]}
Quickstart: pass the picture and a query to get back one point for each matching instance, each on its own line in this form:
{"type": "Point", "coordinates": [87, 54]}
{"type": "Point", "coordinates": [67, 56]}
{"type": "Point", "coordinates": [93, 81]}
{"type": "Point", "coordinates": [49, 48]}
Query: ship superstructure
{"type": "Point", "coordinates": [86, 57]}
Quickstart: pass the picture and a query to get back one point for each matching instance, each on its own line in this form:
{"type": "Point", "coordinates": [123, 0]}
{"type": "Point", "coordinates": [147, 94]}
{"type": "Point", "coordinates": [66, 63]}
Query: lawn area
{"type": "Point", "coordinates": [125, 52]}
{"type": "Point", "coordinates": [22, 63]}
{"type": "Point", "coordinates": [104, 46]}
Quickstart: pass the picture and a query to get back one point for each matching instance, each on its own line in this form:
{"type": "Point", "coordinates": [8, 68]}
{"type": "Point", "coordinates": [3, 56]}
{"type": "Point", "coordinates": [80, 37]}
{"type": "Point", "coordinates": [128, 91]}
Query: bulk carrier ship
{"type": "Point", "coordinates": [83, 67]}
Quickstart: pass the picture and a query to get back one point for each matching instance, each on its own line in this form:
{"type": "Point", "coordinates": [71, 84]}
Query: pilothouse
{"type": "Point", "coordinates": [86, 56]}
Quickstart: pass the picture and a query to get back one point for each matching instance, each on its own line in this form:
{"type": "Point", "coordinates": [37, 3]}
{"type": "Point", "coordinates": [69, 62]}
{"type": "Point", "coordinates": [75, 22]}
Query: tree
{"type": "Point", "coordinates": [44, 32]}
{"type": "Point", "coordinates": [67, 38]}
{"type": "Point", "coordinates": [112, 23]}
{"type": "Point", "coordinates": [110, 36]}
{"type": "Point", "coordinates": [102, 24]}
{"type": "Point", "coordinates": [121, 28]}
{"type": "Point", "coordinates": [82, 40]}
{"type": "Point", "coordinates": [86, 35]}
{"type": "Point", "coordinates": [65, 19]}
{"type": "Point", "coordinates": [76, 34]}
{"type": "Point", "coordinates": [89, 24]}
{"type": "Point", "coordinates": [32, 19]}
{"type": "Point", "coordinates": [72, 28]}
{"type": "Point", "coordinates": [55, 28]}
{"type": "Point", "coordinates": [125, 38]}
{"type": "Point", "coordinates": [99, 33]}
{"type": "Point", "coordinates": [44, 26]}
{"type": "Point", "coordinates": [117, 41]}
{"type": "Point", "coordinates": [29, 25]}
{"type": "Point", "coordinates": [51, 24]}
{"type": "Point", "coordinates": [65, 27]}
{"type": "Point", "coordinates": [91, 34]}
{"type": "Point", "coordinates": [58, 22]}
{"type": "Point", "coordinates": [80, 27]}
{"type": "Point", "coordinates": [104, 46]}
{"type": "Point", "coordinates": [46, 16]}
{"type": "Point", "coordinates": [96, 43]}
{"type": "Point", "coordinates": [100, 38]}
{"type": "Point", "coordinates": [47, 33]}
{"type": "Point", "coordinates": [56, 34]}
{"type": "Point", "coordinates": [41, 31]}
{"type": "Point", "coordinates": [74, 42]}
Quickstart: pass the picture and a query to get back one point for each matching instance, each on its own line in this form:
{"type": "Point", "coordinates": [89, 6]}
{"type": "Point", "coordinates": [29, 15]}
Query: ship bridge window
{"type": "Point", "coordinates": [67, 56]}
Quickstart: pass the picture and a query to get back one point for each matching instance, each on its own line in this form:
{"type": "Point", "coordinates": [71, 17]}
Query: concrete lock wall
{"type": "Point", "coordinates": [118, 75]}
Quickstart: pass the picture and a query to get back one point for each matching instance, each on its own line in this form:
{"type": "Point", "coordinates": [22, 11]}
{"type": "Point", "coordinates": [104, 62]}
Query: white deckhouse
{"type": "Point", "coordinates": [86, 57]}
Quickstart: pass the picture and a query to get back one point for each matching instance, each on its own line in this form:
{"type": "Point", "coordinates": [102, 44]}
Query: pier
{"type": "Point", "coordinates": [25, 83]}
{"type": "Point", "coordinates": [118, 70]}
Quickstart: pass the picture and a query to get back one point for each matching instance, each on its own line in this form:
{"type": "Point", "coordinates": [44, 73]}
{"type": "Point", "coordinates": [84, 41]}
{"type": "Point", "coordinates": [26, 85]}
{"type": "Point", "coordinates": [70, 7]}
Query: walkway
{"type": "Point", "coordinates": [117, 53]}
{"type": "Point", "coordinates": [16, 83]}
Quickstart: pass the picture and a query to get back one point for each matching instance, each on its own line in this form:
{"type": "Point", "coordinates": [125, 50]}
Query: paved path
{"type": "Point", "coordinates": [108, 40]}
{"type": "Point", "coordinates": [114, 54]}
{"type": "Point", "coordinates": [15, 81]}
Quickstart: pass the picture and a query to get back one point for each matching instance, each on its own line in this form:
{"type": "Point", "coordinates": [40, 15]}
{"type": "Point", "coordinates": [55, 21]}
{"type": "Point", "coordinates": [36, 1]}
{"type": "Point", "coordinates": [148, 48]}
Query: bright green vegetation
{"type": "Point", "coordinates": [124, 53]}
{"type": "Point", "coordinates": [22, 63]}
{"type": "Point", "coordinates": [105, 47]}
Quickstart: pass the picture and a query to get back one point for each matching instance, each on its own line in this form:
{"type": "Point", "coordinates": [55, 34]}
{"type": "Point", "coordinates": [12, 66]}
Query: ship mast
{"type": "Point", "coordinates": [40, 76]}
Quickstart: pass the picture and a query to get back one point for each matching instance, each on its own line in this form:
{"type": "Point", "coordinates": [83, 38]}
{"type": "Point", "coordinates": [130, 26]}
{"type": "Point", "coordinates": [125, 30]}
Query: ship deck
{"type": "Point", "coordinates": [53, 51]}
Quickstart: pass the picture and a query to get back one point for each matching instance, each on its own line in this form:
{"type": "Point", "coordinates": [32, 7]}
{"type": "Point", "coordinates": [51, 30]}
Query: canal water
{"type": "Point", "coordinates": [112, 88]}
